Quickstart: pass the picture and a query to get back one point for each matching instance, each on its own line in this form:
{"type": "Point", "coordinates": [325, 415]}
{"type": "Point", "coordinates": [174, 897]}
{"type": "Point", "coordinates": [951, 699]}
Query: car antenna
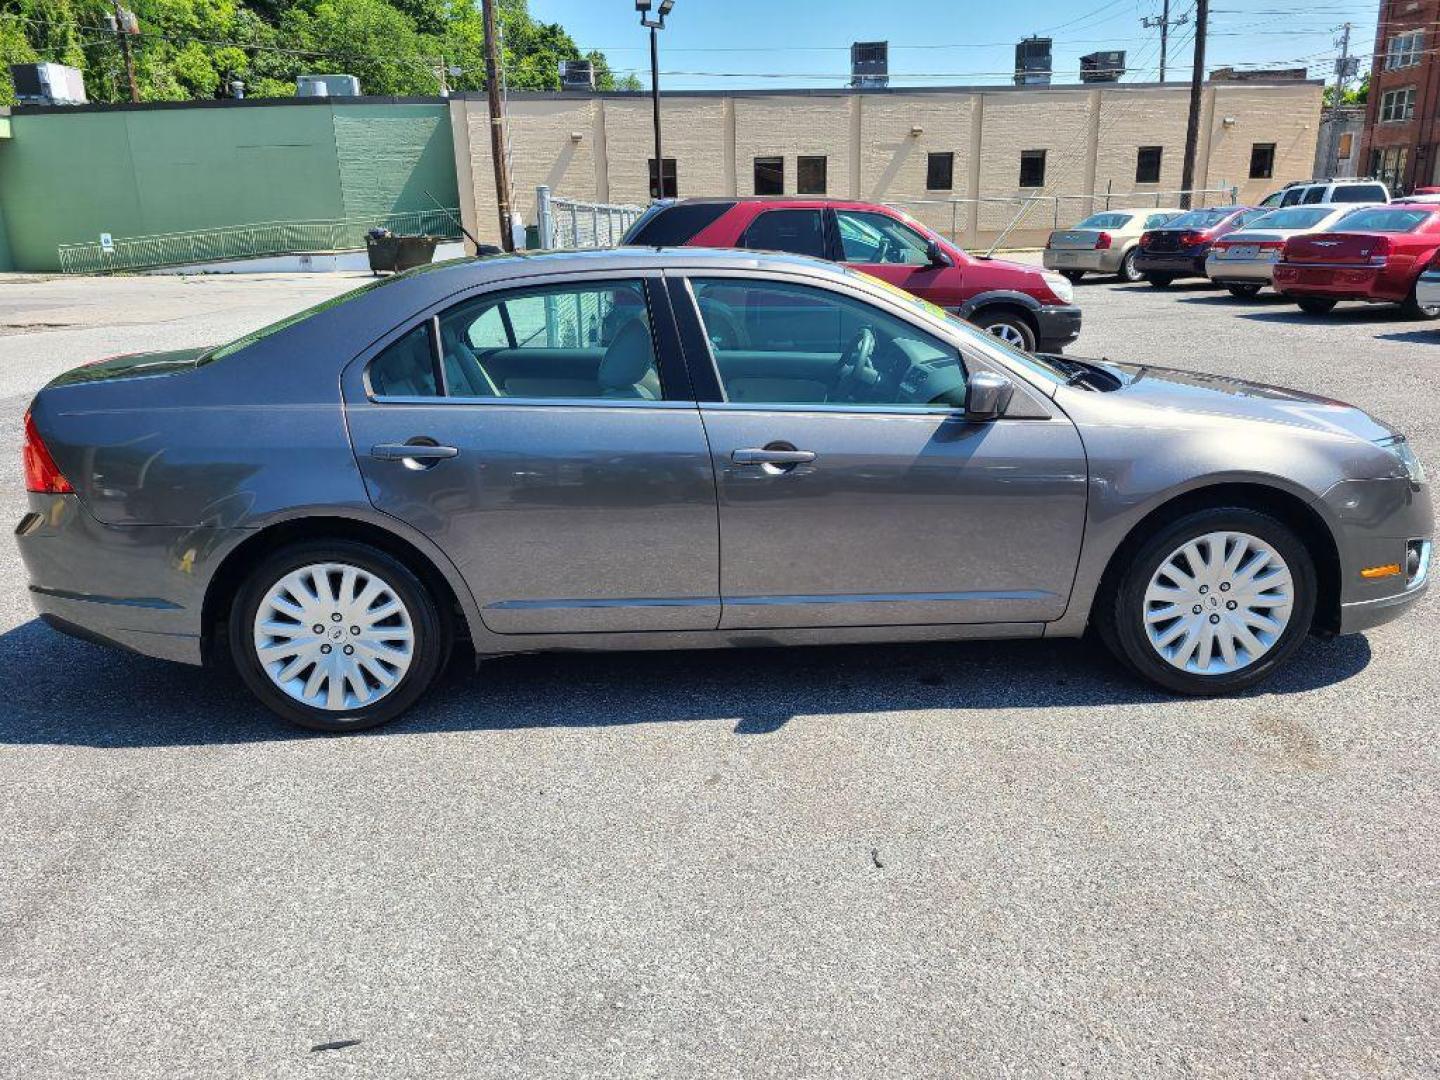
{"type": "Point", "coordinates": [464, 232]}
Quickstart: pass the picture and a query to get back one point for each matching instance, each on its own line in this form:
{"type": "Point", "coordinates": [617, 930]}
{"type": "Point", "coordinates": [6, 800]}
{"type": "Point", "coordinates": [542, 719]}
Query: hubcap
{"type": "Point", "coordinates": [334, 636]}
{"type": "Point", "coordinates": [1218, 603]}
{"type": "Point", "coordinates": [1011, 335]}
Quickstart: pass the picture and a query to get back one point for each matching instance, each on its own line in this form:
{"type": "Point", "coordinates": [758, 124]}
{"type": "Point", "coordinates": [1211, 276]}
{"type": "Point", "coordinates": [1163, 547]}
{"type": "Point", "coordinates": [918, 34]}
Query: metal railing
{"type": "Point", "coordinates": [573, 223]}
{"type": "Point", "coordinates": [1062, 209]}
{"type": "Point", "coordinates": [249, 241]}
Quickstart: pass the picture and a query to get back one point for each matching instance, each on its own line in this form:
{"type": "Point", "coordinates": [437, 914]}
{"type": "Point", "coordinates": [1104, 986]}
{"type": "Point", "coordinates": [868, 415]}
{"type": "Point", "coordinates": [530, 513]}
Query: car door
{"type": "Point", "coordinates": [853, 490]}
{"type": "Point", "coordinates": [545, 437]}
{"type": "Point", "coordinates": [887, 248]}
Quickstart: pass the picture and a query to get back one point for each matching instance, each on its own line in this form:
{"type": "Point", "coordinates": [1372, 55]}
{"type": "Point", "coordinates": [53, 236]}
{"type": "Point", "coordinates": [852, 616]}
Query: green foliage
{"type": "Point", "coordinates": [1353, 95]}
{"type": "Point", "coordinates": [194, 48]}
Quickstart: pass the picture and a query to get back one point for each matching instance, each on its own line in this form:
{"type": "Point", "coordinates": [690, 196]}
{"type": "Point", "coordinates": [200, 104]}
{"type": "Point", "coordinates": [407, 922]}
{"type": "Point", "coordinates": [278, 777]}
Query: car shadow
{"type": "Point", "coordinates": [1352, 315]}
{"type": "Point", "coordinates": [1224, 299]}
{"type": "Point", "coordinates": [60, 691]}
{"type": "Point", "coordinates": [1428, 336]}
{"type": "Point", "coordinates": [1185, 285]}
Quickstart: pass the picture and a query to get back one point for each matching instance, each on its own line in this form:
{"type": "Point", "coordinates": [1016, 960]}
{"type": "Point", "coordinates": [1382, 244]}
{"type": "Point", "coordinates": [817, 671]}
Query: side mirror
{"type": "Point", "coordinates": [987, 396]}
{"type": "Point", "coordinates": [936, 256]}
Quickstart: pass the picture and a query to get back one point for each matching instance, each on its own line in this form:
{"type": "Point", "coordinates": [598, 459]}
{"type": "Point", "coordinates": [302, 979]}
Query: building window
{"type": "Point", "coordinates": [1397, 106]}
{"type": "Point", "coordinates": [1347, 145]}
{"type": "Point", "coordinates": [1403, 50]}
{"type": "Point", "coordinates": [1032, 168]}
{"type": "Point", "coordinates": [1147, 165]}
{"type": "Point", "coordinates": [940, 172]}
{"type": "Point", "coordinates": [1388, 166]}
{"type": "Point", "coordinates": [769, 176]}
{"type": "Point", "coordinates": [670, 188]}
{"type": "Point", "coordinates": [1262, 160]}
{"type": "Point", "coordinates": [810, 175]}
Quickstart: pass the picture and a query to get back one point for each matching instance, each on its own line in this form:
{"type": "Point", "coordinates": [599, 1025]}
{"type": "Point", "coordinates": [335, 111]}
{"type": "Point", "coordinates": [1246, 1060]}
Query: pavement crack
{"type": "Point", "coordinates": [338, 1044]}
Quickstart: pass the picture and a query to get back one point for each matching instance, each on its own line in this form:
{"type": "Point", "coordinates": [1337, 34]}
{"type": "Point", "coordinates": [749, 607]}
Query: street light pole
{"type": "Point", "coordinates": [656, 24]}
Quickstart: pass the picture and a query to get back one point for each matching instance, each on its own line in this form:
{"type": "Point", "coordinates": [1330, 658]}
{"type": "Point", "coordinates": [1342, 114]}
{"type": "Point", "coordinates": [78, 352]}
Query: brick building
{"type": "Point", "coordinates": [962, 159]}
{"type": "Point", "coordinates": [1401, 133]}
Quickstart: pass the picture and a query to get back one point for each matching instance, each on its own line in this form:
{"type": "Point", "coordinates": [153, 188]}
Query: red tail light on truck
{"type": "Point", "coordinates": [42, 476]}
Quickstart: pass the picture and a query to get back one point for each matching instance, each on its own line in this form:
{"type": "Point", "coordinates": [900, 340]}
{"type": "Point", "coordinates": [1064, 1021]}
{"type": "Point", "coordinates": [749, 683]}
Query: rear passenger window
{"type": "Point", "coordinates": [1359, 193]}
{"type": "Point", "coordinates": [1314, 195]}
{"type": "Point", "coordinates": [406, 367]}
{"type": "Point", "coordinates": [587, 340]}
{"type": "Point", "coordinates": [1293, 196]}
{"type": "Point", "coordinates": [800, 232]}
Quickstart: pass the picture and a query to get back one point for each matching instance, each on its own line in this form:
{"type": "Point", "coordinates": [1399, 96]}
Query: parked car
{"type": "Point", "coordinates": [1180, 247]}
{"type": "Point", "coordinates": [1104, 243]}
{"type": "Point", "coordinates": [1030, 308]}
{"type": "Point", "coordinates": [1375, 255]}
{"type": "Point", "coordinates": [1328, 191]}
{"type": "Point", "coordinates": [1427, 289]}
{"type": "Point", "coordinates": [688, 448]}
{"type": "Point", "coordinates": [1244, 261]}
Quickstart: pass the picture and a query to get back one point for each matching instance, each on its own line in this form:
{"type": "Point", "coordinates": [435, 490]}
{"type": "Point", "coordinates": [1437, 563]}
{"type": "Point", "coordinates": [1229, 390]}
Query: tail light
{"type": "Point", "coordinates": [1191, 239]}
{"type": "Point", "coordinates": [1270, 245]}
{"type": "Point", "coordinates": [1145, 239]}
{"type": "Point", "coordinates": [1219, 247]}
{"type": "Point", "coordinates": [41, 474]}
{"type": "Point", "coordinates": [1380, 251]}
{"type": "Point", "coordinates": [1102, 241]}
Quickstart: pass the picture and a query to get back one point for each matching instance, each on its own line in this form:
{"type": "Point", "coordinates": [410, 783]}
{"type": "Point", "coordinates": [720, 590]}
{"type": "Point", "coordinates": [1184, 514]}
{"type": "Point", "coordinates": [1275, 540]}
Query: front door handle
{"type": "Point", "coordinates": [412, 452]}
{"type": "Point", "coordinates": [767, 456]}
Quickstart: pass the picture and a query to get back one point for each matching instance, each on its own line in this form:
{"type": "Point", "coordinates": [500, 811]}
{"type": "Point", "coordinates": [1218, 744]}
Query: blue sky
{"type": "Point", "coordinates": [711, 44]}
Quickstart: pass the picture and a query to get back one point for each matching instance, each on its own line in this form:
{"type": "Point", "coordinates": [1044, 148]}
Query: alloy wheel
{"type": "Point", "coordinates": [1009, 334]}
{"type": "Point", "coordinates": [1218, 603]}
{"type": "Point", "coordinates": [333, 636]}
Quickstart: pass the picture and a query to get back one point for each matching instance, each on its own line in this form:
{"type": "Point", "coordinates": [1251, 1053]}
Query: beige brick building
{"type": "Point", "coordinates": [892, 145]}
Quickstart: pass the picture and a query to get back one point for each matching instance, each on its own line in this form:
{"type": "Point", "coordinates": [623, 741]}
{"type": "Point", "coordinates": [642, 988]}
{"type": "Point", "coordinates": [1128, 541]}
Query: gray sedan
{"type": "Point", "coordinates": [639, 449]}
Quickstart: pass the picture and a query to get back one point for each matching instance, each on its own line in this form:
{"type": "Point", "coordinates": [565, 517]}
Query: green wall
{"type": "Point", "coordinates": [68, 176]}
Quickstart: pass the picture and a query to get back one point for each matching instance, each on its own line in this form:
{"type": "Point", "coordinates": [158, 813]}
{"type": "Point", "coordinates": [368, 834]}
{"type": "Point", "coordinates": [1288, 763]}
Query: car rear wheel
{"type": "Point", "coordinates": [1160, 281]}
{"type": "Point", "coordinates": [1314, 305]}
{"type": "Point", "coordinates": [1009, 326]}
{"type": "Point", "coordinates": [1128, 272]}
{"type": "Point", "coordinates": [1212, 603]}
{"type": "Point", "coordinates": [1413, 309]}
{"type": "Point", "coordinates": [1244, 291]}
{"type": "Point", "coordinates": [336, 636]}
{"type": "Point", "coordinates": [1072, 275]}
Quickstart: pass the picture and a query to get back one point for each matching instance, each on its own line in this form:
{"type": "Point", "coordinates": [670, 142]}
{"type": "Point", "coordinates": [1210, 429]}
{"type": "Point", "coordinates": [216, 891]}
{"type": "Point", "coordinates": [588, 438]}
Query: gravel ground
{"type": "Point", "coordinates": [995, 860]}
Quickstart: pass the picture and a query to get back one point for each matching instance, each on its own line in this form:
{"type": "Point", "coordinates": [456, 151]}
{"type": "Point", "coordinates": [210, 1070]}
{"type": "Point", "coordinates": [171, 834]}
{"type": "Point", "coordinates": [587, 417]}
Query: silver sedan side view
{"type": "Point", "coordinates": [641, 449]}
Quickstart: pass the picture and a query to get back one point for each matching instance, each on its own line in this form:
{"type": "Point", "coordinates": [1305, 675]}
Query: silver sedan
{"type": "Point", "coordinates": [1244, 261]}
{"type": "Point", "coordinates": [640, 449]}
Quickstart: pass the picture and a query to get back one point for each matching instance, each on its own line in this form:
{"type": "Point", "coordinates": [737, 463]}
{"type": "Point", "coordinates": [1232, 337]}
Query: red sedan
{"type": "Point", "coordinates": [1376, 255]}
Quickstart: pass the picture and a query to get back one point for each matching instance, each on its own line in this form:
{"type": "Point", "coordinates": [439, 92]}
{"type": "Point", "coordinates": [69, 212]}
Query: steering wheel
{"type": "Point", "coordinates": [857, 372]}
{"type": "Point", "coordinates": [721, 326]}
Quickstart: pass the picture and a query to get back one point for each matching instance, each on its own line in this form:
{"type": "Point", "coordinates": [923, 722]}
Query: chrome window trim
{"type": "Point", "coordinates": [561, 402]}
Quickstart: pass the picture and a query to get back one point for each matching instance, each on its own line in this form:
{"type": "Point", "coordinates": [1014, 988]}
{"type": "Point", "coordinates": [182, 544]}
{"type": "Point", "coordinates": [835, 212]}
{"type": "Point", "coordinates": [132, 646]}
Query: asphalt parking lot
{"type": "Point", "coordinates": [998, 860]}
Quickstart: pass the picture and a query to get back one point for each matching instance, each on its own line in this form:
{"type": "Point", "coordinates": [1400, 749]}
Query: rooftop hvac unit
{"type": "Point", "coordinates": [48, 84]}
{"type": "Point", "coordinates": [870, 64]}
{"type": "Point", "coordinates": [1032, 62]}
{"type": "Point", "coordinates": [1106, 66]}
{"type": "Point", "coordinates": [577, 75]}
{"type": "Point", "coordinates": [327, 86]}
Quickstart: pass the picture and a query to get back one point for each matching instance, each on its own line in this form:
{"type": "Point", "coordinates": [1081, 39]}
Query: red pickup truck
{"type": "Point", "coordinates": [1027, 306]}
{"type": "Point", "coordinates": [1375, 254]}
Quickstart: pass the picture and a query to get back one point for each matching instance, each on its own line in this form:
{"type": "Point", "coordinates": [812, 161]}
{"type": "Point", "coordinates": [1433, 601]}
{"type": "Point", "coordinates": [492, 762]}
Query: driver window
{"type": "Point", "coordinates": [775, 343]}
{"type": "Point", "coordinates": [876, 238]}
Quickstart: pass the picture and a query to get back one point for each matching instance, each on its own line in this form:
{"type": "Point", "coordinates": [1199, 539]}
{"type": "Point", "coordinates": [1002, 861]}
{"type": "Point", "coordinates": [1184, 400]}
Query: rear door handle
{"type": "Point", "coordinates": [412, 452]}
{"type": "Point", "coordinates": [771, 457]}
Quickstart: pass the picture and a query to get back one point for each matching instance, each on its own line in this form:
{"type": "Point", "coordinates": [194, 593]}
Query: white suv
{"type": "Point", "coordinates": [1309, 192]}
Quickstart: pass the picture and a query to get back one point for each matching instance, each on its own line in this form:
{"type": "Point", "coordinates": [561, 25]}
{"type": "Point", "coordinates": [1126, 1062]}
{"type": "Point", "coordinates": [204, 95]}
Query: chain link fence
{"type": "Point", "coordinates": [249, 241]}
{"type": "Point", "coordinates": [572, 223]}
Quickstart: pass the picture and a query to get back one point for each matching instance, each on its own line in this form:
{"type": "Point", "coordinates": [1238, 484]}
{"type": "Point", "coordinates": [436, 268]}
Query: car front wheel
{"type": "Point", "coordinates": [336, 636]}
{"type": "Point", "coordinates": [1009, 326]}
{"type": "Point", "coordinates": [1160, 281]}
{"type": "Point", "coordinates": [1212, 603]}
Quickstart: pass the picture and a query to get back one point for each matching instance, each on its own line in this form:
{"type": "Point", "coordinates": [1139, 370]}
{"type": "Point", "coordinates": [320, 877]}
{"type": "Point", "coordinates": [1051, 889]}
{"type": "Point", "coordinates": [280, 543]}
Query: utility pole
{"type": "Point", "coordinates": [1342, 72]}
{"type": "Point", "coordinates": [497, 124]}
{"type": "Point", "coordinates": [1164, 22]}
{"type": "Point", "coordinates": [1197, 79]}
{"type": "Point", "coordinates": [122, 31]}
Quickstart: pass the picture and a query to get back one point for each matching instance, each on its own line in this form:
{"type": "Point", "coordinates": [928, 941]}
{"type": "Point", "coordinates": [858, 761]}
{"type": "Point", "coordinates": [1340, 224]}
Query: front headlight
{"type": "Point", "coordinates": [1061, 287]}
{"type": "Point", "coordinates": [1400, 447]}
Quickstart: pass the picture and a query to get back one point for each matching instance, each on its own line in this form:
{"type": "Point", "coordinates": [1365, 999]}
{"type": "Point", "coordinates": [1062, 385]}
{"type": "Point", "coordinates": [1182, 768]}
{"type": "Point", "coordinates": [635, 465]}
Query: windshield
{"type": "Point", "coordinates": [1383, 219]}
{"type": "Point", "coordinates": [1200, 219]}
{"type": "Point", "coordinates": [1291, 217]}
{"type": "Point", "coordinates": [1105, 221]}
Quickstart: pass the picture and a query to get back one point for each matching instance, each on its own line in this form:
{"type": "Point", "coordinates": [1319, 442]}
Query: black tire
{"type": "Point", "coordinates": [993, 319]}
{"type": "Point", "coordinates": [1160, 281]}
{"type": "Point", "coordinates": [1315, 305]}
{"type": "Point", "coordinates": [1412, 308]}
{"type": "Point", "coordinates": [1128, 272]}
{"type": "Point", "coordinates": [1244, 292]}
{"type": "Point", "coordinates": [428, 624]}
{"type": "Point", "coordinates": [1072, 275]}
{"type": "Point", "coordinates": [1119, 614]}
